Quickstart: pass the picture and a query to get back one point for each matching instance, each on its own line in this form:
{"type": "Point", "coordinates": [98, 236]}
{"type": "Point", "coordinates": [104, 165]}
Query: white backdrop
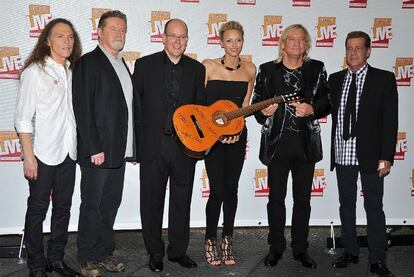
{"type": "Point", "coordinates": [390, 24]}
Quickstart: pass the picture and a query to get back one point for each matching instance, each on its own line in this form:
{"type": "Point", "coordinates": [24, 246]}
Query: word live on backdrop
{"type": "Point", "coordinates": [389, 24]}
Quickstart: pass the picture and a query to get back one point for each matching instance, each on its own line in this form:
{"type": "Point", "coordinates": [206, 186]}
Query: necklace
{"type": "Point", "coordinates": [230, 68]}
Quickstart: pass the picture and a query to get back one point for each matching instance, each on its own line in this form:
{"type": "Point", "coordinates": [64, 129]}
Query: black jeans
{"type": "Point", "coordinates": [224, 165]}
{"type": "Point", "coordinates": [170, 164]}
{"type": "Point", "coordinates": [373, 189]}
{"type": "Point", "coordinates": [54, 183]}
{"type": "Point", "coordinates": [101, 195]}
{"type": "Point", "coordinates": [290, 157]}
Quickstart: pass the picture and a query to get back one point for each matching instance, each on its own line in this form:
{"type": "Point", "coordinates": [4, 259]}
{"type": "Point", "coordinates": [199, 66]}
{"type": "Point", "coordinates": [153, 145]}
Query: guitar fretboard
{"type": "Point", "coordinates": [246, 111]}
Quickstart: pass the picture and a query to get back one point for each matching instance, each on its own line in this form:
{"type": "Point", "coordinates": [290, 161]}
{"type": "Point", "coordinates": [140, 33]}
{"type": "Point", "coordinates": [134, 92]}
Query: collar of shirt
{"type": "Point", "coordinates": [109, 56]}
{"type": "Point", "coordinates": [167, 60]}
{"type": "Point", "coordinates": [52, 62]}
{"type": "Point", "coordinates": [359, 71]}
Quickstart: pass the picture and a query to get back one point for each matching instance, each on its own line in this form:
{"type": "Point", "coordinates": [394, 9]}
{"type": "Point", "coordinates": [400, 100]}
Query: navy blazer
{"type": "Point", "coordinates": [377, 121]}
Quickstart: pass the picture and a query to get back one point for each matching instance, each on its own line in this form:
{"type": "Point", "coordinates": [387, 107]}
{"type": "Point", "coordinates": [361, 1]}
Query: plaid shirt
{"type": "Point", "coordinates": [345, 150]}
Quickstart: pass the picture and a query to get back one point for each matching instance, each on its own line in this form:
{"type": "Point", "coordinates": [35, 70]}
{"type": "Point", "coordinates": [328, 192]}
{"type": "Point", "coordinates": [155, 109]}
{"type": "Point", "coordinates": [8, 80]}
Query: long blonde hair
{"type": "Point", "coordinates": [284, 36]}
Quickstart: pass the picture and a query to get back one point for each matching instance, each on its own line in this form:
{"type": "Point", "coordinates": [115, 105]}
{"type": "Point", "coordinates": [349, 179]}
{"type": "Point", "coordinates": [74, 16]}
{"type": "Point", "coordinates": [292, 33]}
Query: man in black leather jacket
{"type": "Point", "coordinates": [291, 139]}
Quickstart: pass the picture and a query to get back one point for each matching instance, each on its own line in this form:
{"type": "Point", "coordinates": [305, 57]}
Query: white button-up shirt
{"type": "Point", "coordinates": [44, 109]}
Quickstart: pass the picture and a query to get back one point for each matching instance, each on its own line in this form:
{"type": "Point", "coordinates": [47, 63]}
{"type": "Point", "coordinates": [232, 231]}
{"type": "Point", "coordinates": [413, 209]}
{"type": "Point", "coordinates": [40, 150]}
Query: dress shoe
{"type": "Point", "coordinates": [62, 269]}
{"type": "Point", "coordinates": [272, 258]}
{"type": "Point", "coordinates": [38, 273]}
{"type": "Point", "coordinates": [111, 264]}
{"type": "Point", "coordinates": [305, 259]}
{"type": "Point", "coordinates": [344, 260]}
{"type": "Point", "coordinates": [90, 269]}
{"type": "Point", "coordinates": [155, 263]}
{"type": "Point", "coordinates": [184, 261]}
{"type": "Point", "coordinates": [380, 269]}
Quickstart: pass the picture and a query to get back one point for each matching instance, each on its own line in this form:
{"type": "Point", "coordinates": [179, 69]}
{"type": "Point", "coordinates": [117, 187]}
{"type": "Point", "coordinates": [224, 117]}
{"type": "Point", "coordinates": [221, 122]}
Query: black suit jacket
{"type": "Point", "coordinates": [100, 109]}
{"type": "Point", "coordinates": [149, 83]}
{"type": "Point", "coordinates": [270, 83]}
{"type": "Point", "coordinates": [377, 121]}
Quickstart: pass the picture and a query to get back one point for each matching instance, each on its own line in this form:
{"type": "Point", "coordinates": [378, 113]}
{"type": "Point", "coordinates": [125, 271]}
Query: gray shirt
{"type": "Point", "coordinates": [126, 83]}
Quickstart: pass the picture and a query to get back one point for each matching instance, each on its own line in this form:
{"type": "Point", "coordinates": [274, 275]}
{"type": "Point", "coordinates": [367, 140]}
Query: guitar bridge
{"type": "Point", "coordinates": [199, 131]}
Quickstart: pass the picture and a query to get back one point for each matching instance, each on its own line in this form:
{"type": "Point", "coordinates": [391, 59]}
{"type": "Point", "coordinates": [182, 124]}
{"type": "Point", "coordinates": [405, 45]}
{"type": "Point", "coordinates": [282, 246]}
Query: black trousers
{"type": "Point", "coordinates": [101, 195]}
{"type": "Point", "coordinates": [289, 157]}
{"type": "Point", "coordinates": [373, 189]}
{"type": "Point", "coordinates": [224, 165]}
{"type": "Point", "coordinates": [54, 183]}
{"type": "Point", "coordinates": [171, 163]}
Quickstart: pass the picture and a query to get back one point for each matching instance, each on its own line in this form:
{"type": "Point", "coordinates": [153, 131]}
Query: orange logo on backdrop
{"type": "Point", "coordinates": [246, 2]}
{"type": "Point", "coordinates": [318, 183]}
{"type": "Point", "coordinates": [326, 31]}
{"type": "Point", "coordinates": [130, 57]}
{"type": "Point", "coordinates": [401, 147]}
{"type": "Point", "coordinates": [10, 63]}
{"type": "Point", "coordinates": [191, 55]}
{"type": "Point", "coordinates": [358, 3]}
{"type": "Point", "coordinates": [272, 30]}
{"type": "Point", "coordinates": [215, 20]}
{"type": "Point", "coordinates": [96, 15]}
{"type": "Point", "coordinates": [408, 4]}
{"type": "Point", "coordinates": [39, 16]}
{"type": "Point", "coordinates": [205, 184]}
{"type": "Point", "coordinates": [404, 71]}
{"type": "Point", "coordinates": [381, 33]}
{"type": "Point", "coordinates": [412, 183]}
{"type": "Point", "coordinates": [246, 58]}
{"type": "Point", "coordinates": [301, 3]}
{"type": "Point", "coordinates": [10, 149]}
{"type": "Point", "coordinates": [158, 20]}
{"type": "Point", "coordinates": [261, 188]}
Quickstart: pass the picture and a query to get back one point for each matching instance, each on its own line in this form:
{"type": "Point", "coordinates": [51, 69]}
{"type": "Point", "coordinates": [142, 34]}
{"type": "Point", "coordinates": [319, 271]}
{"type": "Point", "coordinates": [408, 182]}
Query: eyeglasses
{"type": "Point", "coordinates": [175, 37]}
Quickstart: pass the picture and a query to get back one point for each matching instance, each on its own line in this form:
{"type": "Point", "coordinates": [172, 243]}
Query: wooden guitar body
{"type": "Point", "coordinates": [199, 127]}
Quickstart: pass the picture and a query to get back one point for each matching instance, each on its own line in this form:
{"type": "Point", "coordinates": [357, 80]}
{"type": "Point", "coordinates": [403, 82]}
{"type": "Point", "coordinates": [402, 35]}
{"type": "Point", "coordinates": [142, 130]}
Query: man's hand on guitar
{"type": "Point", "coordinates": [229, 139]}
{"type": "Point", "coordinates": [270, 110]}
{"type": "Point", "coordinates": [302, 109]}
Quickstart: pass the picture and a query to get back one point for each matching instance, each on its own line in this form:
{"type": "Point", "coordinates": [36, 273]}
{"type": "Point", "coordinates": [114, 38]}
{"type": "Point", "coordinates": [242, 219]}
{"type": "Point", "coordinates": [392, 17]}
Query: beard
{"type": "Point", "coordinates": [117, 44]}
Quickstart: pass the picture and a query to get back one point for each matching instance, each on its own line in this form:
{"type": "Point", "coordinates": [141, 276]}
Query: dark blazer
{"type": "Point", "coordinates": [100, 110]}
{"type": "Point", "coordinates": [269, 83]}
{"type": "Point", "coordinates": [149, 83]}
{"type": "Point", "coordinates": [377, 121]}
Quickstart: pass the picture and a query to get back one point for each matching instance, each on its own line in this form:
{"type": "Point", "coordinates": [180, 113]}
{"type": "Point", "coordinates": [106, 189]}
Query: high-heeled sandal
{"type": "Point", "coordinates": [227, 250]}
{"type": "Point", "coordinates": [210, 248]}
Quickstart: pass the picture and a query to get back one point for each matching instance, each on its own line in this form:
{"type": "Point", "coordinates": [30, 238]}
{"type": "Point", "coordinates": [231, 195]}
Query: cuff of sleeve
{"type": "Point", "coordinates": [24, 127]}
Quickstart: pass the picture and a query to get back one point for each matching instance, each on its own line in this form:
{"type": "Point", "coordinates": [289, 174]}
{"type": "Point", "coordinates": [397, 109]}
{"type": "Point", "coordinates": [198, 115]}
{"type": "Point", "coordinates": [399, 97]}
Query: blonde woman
{"type": "Point", "coordinates": [230, 78]}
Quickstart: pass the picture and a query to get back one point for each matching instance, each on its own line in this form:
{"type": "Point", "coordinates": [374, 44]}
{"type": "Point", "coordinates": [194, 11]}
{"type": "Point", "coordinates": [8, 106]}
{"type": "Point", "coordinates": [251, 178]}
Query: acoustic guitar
{"type": "Point", "coordinates": [199, 127]}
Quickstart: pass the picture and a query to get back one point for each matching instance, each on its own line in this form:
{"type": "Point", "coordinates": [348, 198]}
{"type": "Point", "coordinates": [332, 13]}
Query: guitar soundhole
{"type": "Point", "coordinates": [220, 119]}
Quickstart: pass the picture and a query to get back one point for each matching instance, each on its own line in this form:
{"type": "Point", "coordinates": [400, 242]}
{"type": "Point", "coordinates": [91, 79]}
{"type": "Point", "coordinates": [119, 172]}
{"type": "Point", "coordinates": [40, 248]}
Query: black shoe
{"type": "Point", "coordinates": [272, 258]}
{"type": "Point", "coordinates": [305, 259]}
{"type": "Point", "coordinates": [380, 269]}
{"type": "Point", "coordinates": [156, 263]}
{"type": "Point", "coordinates": [38, 273]}
{"type": "Point", "coordinates": [344, 260]}
{"type": "Point", "coordinates": [62, 269]}
{"type": "Point", "coordinates": [184, 261]}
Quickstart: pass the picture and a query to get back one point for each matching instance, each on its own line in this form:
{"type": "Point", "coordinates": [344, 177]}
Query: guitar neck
{"type": "Point", "coordinates": [246, 111]}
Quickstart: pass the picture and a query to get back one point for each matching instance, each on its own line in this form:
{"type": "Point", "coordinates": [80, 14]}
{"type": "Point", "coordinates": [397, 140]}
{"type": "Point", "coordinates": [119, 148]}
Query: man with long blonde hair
{"type": "Point", "coordinates": [291, 140]}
